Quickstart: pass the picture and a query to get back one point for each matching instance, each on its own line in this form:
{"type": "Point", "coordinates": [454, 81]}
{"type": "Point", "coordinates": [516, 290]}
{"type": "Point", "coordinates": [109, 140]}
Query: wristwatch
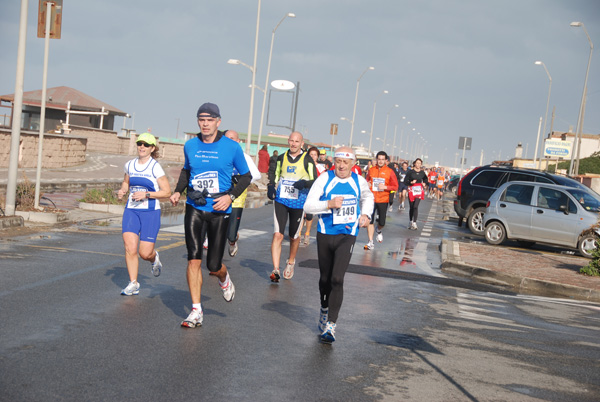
{"type": "Point", "coordinates": [147, 194]}
{"type": "Point", "coordinates": [232, 197]}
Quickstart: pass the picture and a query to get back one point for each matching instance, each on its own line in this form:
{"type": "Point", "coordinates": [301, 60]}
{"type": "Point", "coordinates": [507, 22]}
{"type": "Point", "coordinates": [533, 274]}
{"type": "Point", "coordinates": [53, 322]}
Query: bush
{"type": "Point", "coordinates": [593, 268]}
{"type": "Point", "coordinates": [108, 195]}
{"type": "Point", "coordinates": [25, 196]}
{"type": "Point", "coordinates": [586, 165]}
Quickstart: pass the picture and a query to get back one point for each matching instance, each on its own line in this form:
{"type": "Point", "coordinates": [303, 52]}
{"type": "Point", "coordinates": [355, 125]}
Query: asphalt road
{"type": "Point", "coordinates": [406, 331]}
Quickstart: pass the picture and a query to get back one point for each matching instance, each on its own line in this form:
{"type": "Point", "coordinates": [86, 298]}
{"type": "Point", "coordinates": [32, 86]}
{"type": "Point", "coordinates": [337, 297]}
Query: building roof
{"type": "Point", "coordinates": [58, 97]}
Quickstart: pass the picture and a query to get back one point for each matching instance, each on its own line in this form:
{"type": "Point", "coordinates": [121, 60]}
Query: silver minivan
{"type": "Point", "coordinates": [532, 212]}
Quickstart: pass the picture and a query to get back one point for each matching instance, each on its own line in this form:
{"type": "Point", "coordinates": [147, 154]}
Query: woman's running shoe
{"type": "Point", "coordinates": [369, 246]}
{"type": "Point", "coordinates": [156, 265]}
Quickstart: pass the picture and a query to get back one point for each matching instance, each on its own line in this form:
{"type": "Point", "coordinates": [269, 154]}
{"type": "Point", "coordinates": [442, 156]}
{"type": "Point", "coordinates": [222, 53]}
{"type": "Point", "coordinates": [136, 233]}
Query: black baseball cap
{"type": "Point", "coordinates": [209, 109]}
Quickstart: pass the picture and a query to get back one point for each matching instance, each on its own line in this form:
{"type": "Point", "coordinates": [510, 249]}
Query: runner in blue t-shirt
{"type": "Point", "coordinates": [210, 159]}
{"type": "Point", "coordinates": [345, 202]}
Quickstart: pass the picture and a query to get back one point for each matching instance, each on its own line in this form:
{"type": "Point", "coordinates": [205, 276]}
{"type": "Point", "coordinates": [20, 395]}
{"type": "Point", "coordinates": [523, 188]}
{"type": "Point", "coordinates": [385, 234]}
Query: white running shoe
{"type": "Point", "coordinates": [306, 240]}
{"type": "Point", "coordinates": [379, 237]}
{"type": "Point", "coordinates": [414, 226]}
{"type": "Point", "coordinates": [323, 319]}
{"type": "Point", "coordinates": [328, 335]}
{"type": "Point", "coordinates": [275, 276]}
{"type": "Point", "coordinates": [156, 265]}
{"type": "Point", "coordinates": [288, 272]}
{"type": "Point", "coordinates": [228, 291]}
{"type": "Point", "coordinates": [205, 244]}
{"type": "Point", "coordinates": [132, 289]}
{"type": "Point", "coordinates": [369, 246]}
{"type": "Point", "coordinates": [233, 249]}
{"type": "Point", "coordinates": [390, 209]}
{"type": "Point", "coordinates": [194, 319]}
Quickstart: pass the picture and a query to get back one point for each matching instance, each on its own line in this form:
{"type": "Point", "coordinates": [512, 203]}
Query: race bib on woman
{"type": "Point", "coordinates": [142, 204]}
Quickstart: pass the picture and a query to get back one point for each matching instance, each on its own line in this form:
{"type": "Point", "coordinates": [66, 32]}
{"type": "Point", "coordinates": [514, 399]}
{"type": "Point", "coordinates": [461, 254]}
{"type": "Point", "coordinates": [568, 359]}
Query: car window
{"type": "Point", "coordinates": [518, 194]}
{"type": "Point", "coordinates": [554, 199]}
{"type": "Point", "coordinates": [588, 201]}
{"type": "Point", "coordinates": [519, 176]}
{"type": "Point", "coordinates": [487, 178]}
{"type": "Point", "coordinates": [541, 179]}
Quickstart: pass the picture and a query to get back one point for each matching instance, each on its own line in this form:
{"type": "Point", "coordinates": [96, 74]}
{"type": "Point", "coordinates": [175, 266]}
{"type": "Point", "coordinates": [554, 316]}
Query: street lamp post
{"type": "Point", "coordinates": [413, 146]}
{"type": "Point", "coordinates": [348, 120]}
{"type": "Point", "coordinates": [264, 102]}
{"type": "Point", "coordinates": [547, 105]}
{"type": "Point", "coordinates": [583, 100]}
{"type": "Point", "coordinates": [401, 136]}
{"type": "Point", "coordinates": [355, 100]}
{"type": "Point", "coordinates": [386, 122]}
{"type": "Point", "coordinates": [252, 70]}
{"type": "Point", "coordinates": [373, 118]}
{"type": "Point", "coordinates": [249, 138]}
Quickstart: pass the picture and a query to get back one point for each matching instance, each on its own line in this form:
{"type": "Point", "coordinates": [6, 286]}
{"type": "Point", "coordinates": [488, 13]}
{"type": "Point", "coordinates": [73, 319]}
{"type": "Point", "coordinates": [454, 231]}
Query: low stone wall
{"type": "Point", "coordinates": [104, 141]}
{"type": "Point", "coordinates": [58, 151]}
{"type": "Point", "coordinates": [65, 150]}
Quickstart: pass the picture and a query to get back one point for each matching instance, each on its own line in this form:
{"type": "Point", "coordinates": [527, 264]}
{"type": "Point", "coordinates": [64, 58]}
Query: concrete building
{"type": "Point", "coordinates": [64, 105]}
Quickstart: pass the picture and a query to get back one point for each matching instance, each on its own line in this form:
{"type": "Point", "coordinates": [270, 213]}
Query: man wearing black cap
{"type": "Point", "coordinates": [209, 162]}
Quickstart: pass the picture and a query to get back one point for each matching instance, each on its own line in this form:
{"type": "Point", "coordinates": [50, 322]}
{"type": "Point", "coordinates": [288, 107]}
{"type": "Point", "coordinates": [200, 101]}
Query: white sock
{"type": "Point", "coordinates": [197, 306]}
{"type": "Point", "coordinates": [226, 283]}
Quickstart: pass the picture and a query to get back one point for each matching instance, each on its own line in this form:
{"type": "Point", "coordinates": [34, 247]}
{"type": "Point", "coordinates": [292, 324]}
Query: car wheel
{"type": "Point", "coordinates": [475, 221]}
{"type": "Point", "coordinates": [453, 190]}
{"type": "Point", "coordinates": [495, 233]}
{"type": "Point", "coordinates": [525, 243]}
{"type": "Point", "coordinates": [587, 244]}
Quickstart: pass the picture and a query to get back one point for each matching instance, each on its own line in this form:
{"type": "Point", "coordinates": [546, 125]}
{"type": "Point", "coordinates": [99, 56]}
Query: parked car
{"type": "Point", "coordinates": [532, 212]}
{"type": "Point", "coordinates": [479, 184]}
{"type": "Point", "coordinates": [453, 183]}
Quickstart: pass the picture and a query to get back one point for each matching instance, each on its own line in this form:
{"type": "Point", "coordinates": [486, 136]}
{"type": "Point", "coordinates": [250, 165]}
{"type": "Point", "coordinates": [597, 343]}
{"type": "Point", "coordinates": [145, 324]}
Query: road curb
{"type": "Point", "coordinates": [451, 263]}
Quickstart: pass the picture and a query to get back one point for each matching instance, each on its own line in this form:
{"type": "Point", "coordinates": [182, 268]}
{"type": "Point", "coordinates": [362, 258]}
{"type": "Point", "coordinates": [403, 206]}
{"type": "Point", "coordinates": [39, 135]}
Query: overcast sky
{"type": "Point", "coordinates": [454, 67]}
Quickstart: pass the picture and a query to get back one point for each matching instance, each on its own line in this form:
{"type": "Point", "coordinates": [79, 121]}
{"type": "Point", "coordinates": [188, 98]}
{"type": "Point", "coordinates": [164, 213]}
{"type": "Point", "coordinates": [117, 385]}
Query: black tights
{"type": "Point", "coordinates": [334, 253]}
{"type": "Point", "coordinates": [413, 213]}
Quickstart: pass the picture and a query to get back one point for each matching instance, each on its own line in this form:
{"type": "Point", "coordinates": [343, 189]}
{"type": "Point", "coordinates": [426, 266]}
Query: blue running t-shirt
{"type": "Point", "coordinates": [211, 166]}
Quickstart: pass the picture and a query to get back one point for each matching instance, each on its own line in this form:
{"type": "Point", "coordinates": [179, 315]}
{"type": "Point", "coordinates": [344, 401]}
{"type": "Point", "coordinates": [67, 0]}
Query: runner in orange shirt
{"type": "Point", "coordinates": [382, 180]}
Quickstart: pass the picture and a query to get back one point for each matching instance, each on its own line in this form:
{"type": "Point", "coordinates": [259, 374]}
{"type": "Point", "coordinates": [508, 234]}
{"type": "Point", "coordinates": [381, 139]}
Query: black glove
{"type": "Point", "coordinates": [199, 197]}
{"type": "Point", "coordinates": [300, 184]}
{"type": "Point", "coordinates": [271, 192]}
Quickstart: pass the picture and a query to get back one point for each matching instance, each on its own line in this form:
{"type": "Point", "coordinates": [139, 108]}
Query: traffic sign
{"type": "Point", "coordinates": [55, 18]}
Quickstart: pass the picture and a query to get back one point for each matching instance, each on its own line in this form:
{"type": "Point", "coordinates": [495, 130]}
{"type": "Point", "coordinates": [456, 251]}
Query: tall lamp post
{"type": "Point", "coordinates": [387, 118]}
{"type": "Point", "coordinates": [547, 105]}
{"type": "Point", "coordinates": [253, 71]}
{"type": "Point", "coordinates": [355, 100]}
{"type": "Point", "coordinates": [583, 100]}
{"type": "Point", "coordinates": [348, 120]}
{"type": "Point", "coordinates": [264, 102]}
{"type": "Point", "coordinates": [373, 118]}
{"type": "Point", "coordinates": [413, 145]}
{"type": "Point", "coordinates": [401, 136]}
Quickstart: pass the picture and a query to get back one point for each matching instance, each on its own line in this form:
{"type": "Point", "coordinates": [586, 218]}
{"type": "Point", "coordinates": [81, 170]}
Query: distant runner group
{"type": "Point", "coordinates": [303, 186]}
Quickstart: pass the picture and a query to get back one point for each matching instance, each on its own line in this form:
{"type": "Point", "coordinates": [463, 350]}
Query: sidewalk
{"type": "Point", "coordinates": [525, 271]}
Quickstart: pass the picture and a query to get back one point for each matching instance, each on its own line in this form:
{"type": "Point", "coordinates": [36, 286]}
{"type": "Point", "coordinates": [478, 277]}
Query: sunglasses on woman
{"type": "Point", "coordinates": [143, 144]}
